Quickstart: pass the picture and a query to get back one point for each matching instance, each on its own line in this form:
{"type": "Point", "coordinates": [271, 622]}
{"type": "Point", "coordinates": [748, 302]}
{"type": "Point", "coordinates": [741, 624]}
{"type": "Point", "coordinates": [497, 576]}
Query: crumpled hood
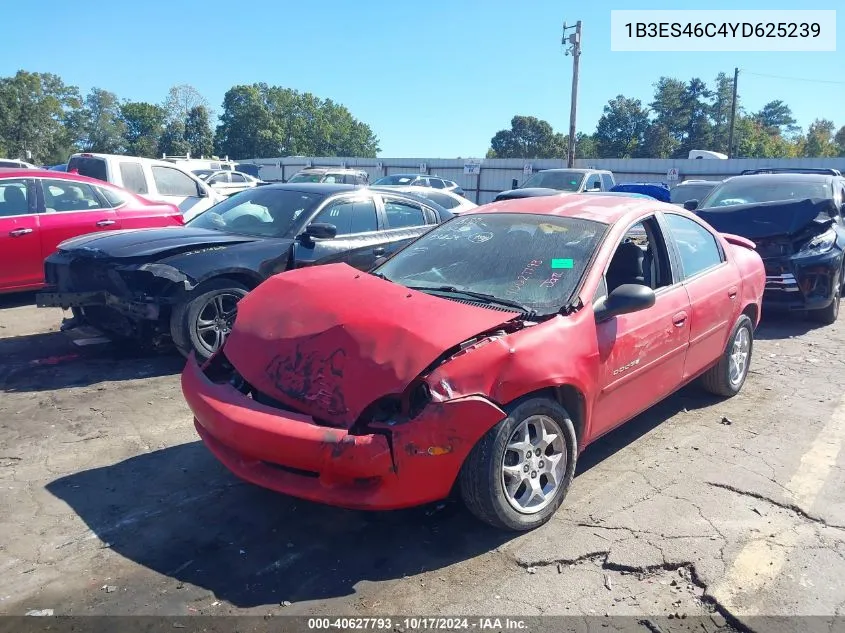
{"type": "Point", "coordinates": [530, 192]}
{"type": "Point", "coordinates": [330, 340]}
{"type": "Point", "coordinates": [146, 242]}
{"type": "Point", "coordinates": [768, 219]}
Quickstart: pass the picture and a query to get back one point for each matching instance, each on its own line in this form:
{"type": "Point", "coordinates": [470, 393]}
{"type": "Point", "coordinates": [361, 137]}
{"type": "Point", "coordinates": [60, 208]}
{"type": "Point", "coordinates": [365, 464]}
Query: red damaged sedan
{"type": "Point", "coordinates": [484, 356]}
{"type": "Point", "coordinates": [41, 208]}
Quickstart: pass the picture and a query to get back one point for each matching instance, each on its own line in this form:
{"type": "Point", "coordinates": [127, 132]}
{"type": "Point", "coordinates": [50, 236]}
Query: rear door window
{"type": "Point", "coordinates": [132, 175]}
{"type": "Point", "coordinates": [237, 177]}
{"type": "Point", "coordinates": [607, 182]}
{"type": "Point", "coordinates": [14, 197]}
{"type": "Point", "coordinates": [173, 182]}
{"type": "Point", "coordinates": [89, 166]}
{"type": "Point", "coordinates": [437, 183]}
{"type": "Point", "coordinates": [402, 215]}
{"type": "Point", "coordinates": [69, 195]}
{"type": "Point", "coordinates": [364, 217]}
{"type": "Point", "coordinates": [113, 197]}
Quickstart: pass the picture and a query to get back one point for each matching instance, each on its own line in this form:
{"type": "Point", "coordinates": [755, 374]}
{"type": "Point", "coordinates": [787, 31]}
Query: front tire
{"type": "Point", "coordinates": [728, 375]}
{"type": "Point", "coordinates": [518, 474]}
{"type": "Point", "coordinates": [202, 322]}
{"type": "Point", "coordinates": [828, 315]}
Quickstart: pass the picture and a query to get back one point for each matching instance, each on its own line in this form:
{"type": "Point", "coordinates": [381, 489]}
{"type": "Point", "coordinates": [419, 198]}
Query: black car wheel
{"type": "Point", "coordinates": [727, 376]}
{"type": "Point", "coordinates": [518, 474]}
{"type": "Point", "coordinates": [828, 315]}
{"type": "Point", "coordinates": [203, 321]}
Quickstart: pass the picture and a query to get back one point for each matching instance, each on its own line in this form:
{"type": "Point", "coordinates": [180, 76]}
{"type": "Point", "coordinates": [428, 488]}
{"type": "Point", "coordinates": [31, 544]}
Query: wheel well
{"type": "Point", "coordinates": [247, 280]}
{"type": "Point", "coordinates": [752, 311]}
{"type": "Point", "coordinates": [569, 397]}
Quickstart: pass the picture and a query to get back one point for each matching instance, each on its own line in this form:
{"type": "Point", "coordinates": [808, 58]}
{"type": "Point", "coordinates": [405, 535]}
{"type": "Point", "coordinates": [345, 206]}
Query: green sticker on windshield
{"type": "Point", "coordinates": [562, 263]}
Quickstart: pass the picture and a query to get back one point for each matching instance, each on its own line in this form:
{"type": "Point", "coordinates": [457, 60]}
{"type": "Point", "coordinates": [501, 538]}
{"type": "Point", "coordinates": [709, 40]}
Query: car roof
{"type": "Point", "coordinates": [582, 206]}
{"type": "Point", "coordinates": [698, 182]}
{"type": "Point", "coordinates": [416, 189]}
{"type": "Point", "coordinates": [328, 169]}
{"type": "Point", "coordinates": [575, 169]}
{"type": "Point", "coordinates": [16, 172]}
{"type": "Point", "coordinates": [764, 178]}
{"type": "Point", "coordinates": [325, 188]}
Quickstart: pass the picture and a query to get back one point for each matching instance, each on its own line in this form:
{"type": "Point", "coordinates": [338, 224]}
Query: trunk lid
{"type": "Point", "coordinates": [330, 340]}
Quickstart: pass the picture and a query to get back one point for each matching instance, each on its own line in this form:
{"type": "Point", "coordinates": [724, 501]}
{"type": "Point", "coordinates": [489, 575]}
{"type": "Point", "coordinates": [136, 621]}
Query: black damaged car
{"type": "Point", "coordinates": [182, 284]}
{"type": "Point", "coordinates": [795, 218]}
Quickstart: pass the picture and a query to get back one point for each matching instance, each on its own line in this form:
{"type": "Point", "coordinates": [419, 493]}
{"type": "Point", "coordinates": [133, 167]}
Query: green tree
{"type": "Point", "coordinates": [776, 118]}
{"type": "Point", "coordinates": [529, 137]}
{"type": "Point", "coordinates": [684, 110]}
{"type": "Point", "coordinates": [181, 100]}
{"type": "Point", "coordinates": [820, 143]}
{"type": "Point", "coordinates": [839, 139]}
{"type": "Point", "coordinates": [198, 132]}
{"type": "Point", "coordinates": [173, 141]}
{"type": "Point", "coordinates": [658, 142]}
{"type": "Point", "coordinates": [39, 117]}
{"type": "Point", "coordinates": [104, 127]}
{"type": "Point", "coordinates": [720, 112]}
{"type": "Point", "coordinates": [621, 128]}
{"type": "Point", "coordinates": [585, 146]}
{"type": "Point", "coordinates": [260, 121]}
{"type": "Point", "coordinates": [144, 125]}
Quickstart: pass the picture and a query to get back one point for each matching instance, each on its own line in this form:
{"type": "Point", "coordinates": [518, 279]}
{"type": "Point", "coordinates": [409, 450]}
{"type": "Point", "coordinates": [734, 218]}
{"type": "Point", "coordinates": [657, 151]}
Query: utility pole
{"type": "Point", "coordinates": [733, 117]}
{"type": "Point", "coordinates": [573, 47]}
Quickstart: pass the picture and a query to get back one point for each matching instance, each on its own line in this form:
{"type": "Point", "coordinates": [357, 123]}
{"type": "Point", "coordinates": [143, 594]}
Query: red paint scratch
{"type": "Point", "coordinates": [54, 360]}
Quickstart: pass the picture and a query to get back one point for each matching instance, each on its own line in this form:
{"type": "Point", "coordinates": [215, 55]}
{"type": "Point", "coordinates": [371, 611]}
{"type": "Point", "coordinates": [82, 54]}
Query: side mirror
{"type": "Point", "coordinates": [321, 231]}
{"type": "Point", "coordinates": [596, 188]}
{"type": "Point", "coordinates": [514, 184]}
{"type": "Point", "coordinates": [691, 205]}
{"type": "Point", "coordinates": [202, 192]}
{"type": "Point", "coordinates": [625, 299]}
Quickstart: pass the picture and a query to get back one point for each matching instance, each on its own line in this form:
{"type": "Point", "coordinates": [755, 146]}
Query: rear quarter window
{"type": "Point", "coordinates": [89, 166]}
{"type": "Point", "coordinates": [171, 181]}
{"type": "Point", "coordinates": [132, 176]}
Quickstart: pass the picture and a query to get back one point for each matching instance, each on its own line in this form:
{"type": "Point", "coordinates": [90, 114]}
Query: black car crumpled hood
{"type": "Point", "coordinates": [146, 243]}
{"type": "Point", "coordinates": [530, 192]}
{"type": "Point", "coordinates": [770, 219]}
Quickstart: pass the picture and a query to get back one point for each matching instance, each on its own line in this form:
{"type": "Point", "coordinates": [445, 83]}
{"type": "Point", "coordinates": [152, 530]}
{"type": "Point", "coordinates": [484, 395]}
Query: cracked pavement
{"type": "Point", "coordinates": [731, 509]}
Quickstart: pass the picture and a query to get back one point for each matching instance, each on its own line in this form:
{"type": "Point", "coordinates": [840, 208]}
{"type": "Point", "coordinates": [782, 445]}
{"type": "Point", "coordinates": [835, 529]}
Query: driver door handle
{"type": "Point", "coordinates": [19, 232]}
{"type": "Point", "coordinates": [105, 222]}
{"type": "Point", "coordinates": [679, 319]}
{"type": "Point", "coordinates": [378, 250]}
{"type": "Point", "coordinates": [732, 292]}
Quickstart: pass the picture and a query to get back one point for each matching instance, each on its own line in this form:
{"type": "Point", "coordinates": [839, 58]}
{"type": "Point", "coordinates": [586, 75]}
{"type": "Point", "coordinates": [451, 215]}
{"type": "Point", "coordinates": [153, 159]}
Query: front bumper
{"type": "Point", "coordinates": [126, 307]}
{"type": "Point", "coordinates": [801, 283]}
{"type": "Point", "coordinates": [395, 467]}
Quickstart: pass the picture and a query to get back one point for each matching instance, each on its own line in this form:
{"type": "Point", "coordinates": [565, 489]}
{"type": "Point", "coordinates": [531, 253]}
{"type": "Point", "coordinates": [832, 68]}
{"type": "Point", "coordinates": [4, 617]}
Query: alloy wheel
{"type": "Point", "coordinates": [215, 319]}
{"type": "Point", "coordinates": [739, 356]}
{"type": "Point", "coordinates": [534, 464]}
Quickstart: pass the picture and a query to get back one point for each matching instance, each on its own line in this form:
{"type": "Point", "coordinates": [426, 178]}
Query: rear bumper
{"type": "Point", "coordinates": [126, 307]}
{"type": "Point", "coordinates": [406, 465]}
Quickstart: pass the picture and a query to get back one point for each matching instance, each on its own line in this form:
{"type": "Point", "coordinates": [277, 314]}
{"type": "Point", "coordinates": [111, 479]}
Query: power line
{"type": "Point", "coordinates": [818, 81]}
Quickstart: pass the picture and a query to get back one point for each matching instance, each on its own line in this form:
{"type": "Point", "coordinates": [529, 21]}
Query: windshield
{"type": "Point", "coordinates": [396, 179]}
{"type": "Point", "coordinates": [307, 178]}
{"type": "Point", "coordinates": [679, 195]}
{"type": "Point", "coordinates": [561, 180]}
{"type": "Point", "coordinates": [746, 191]}
{"type": "Point", "coordinates": [259, 211]}
{"type": "Point", "coordinates": [535, 260]}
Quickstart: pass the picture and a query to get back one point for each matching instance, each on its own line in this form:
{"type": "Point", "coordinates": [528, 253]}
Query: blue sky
{"type": "Point", "coordinates": [433, 79]}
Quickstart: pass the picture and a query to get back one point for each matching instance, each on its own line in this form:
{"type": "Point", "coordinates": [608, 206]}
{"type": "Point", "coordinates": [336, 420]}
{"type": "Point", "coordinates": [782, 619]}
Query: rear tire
{"type": "Point", "coordinates": [727, 377]}
{"type": "Point", "coordinates": [515, 478]}
{"type": "Point", "coordinates": [201, 322]}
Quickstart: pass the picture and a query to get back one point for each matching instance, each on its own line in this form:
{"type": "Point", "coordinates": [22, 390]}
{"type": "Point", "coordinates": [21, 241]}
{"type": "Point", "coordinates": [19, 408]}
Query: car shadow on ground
{"type": "Point", "coordinates": [17, 300]}
{"type": "Point", "coordinates": [777, 326]}
{"type": "Point", "coordinates": [178, 512]}
{"type": "Point", "coordinates": [50, 361]}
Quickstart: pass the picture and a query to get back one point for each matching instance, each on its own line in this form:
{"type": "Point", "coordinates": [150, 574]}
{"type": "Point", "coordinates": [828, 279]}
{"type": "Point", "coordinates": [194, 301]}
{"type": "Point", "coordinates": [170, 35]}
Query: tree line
{"type": "Point", "coordinates": [44, 120]}
{"type": "Point", "coordinates": [682, 116]}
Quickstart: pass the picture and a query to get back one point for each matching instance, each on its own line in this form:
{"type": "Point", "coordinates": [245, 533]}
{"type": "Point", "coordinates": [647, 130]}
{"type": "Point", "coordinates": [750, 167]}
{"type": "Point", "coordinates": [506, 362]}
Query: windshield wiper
{"type": "Point", "coordinates": [381, 276]}
{"type": "Point", "coordinates": [480, 296]}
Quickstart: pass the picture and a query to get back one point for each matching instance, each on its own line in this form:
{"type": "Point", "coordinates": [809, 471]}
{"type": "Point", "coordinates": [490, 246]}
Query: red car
{"type": "Point", "coordinates": [40, 208]}
{"type": "Point", "coordinates": [484, 355]}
